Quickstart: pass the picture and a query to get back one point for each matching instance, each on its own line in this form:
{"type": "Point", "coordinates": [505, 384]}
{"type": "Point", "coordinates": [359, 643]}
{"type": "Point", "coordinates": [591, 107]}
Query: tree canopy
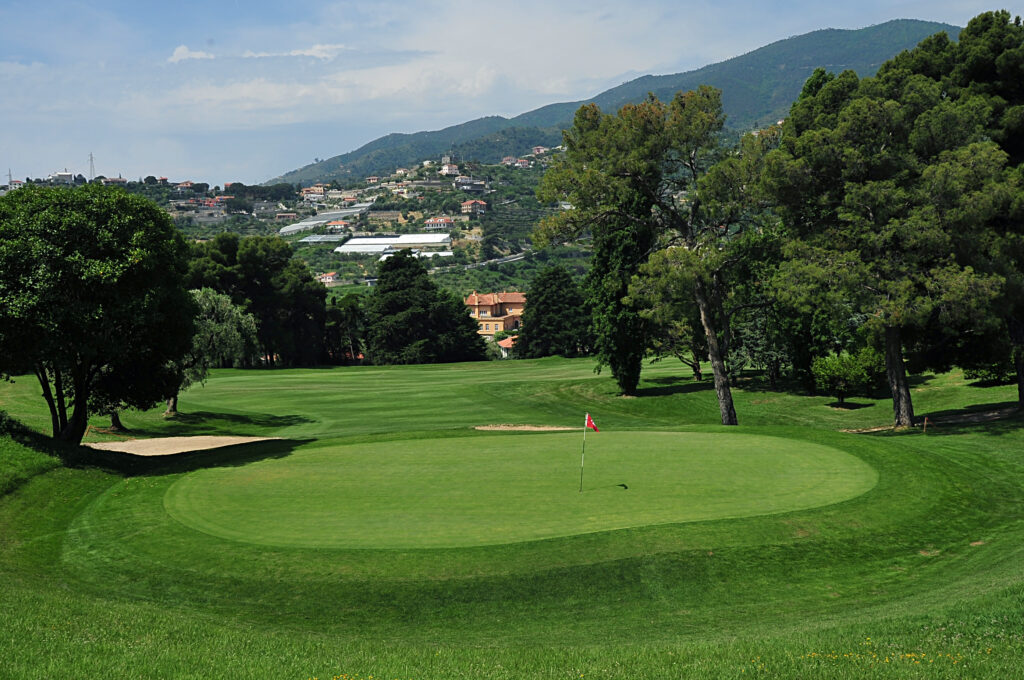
{"type": "Point", "coordinates": [555, 317]}
{"type": "Point", "coordinates": [651, 177]}
{"type": "Point", "coordinates": [895, 191]}
{"type": "Point", "coordinates": [260, 274]}
{"type": "Point", "coordinates": [409, 320]}
{"type": "Point", "coordinates": [225, 336]}
{"type": "Point", "coordinates": [91, 299]}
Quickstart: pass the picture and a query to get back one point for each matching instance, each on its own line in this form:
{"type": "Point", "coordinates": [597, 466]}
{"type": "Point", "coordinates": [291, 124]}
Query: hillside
{"type": "Point", "coordinates": [758, 87]}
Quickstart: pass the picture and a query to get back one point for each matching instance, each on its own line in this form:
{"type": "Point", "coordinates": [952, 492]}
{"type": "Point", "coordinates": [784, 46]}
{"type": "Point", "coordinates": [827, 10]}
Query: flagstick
{"type": "Point", "coordinates": [583, 456]}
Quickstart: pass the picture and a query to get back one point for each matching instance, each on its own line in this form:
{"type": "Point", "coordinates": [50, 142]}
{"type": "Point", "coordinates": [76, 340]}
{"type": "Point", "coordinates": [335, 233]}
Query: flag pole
{"type": "Point", "coordinates": [583, 454]}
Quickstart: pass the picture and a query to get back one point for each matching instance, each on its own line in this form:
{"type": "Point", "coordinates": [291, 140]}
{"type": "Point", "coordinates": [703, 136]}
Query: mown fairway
{"type": "Point", "coordinates": [384, 536]}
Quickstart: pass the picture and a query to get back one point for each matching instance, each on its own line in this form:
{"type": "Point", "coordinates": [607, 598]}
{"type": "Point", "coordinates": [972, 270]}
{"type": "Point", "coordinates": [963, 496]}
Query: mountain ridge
{"type": "Point", "coordinates": [758, 88]}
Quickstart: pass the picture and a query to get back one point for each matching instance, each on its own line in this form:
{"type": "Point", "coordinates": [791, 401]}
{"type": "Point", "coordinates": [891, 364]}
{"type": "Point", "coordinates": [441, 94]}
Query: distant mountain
{"type": "Point", "coordinates": [757, 89]}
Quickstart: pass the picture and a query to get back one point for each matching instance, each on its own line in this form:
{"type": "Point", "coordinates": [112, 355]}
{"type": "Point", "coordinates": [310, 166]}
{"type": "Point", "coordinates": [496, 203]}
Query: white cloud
{"type": "Point", "coordinates": [318, 51]}
{"type": "Point", "coordinates": [181, 53]}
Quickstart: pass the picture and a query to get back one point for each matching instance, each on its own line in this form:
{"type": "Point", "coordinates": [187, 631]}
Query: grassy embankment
{"type": "Point", "coordinates": [383, 536]}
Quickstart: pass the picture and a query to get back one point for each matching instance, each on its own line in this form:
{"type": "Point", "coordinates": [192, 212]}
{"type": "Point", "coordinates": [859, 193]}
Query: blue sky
{"type": "Point", "coordinates": [244, 91]}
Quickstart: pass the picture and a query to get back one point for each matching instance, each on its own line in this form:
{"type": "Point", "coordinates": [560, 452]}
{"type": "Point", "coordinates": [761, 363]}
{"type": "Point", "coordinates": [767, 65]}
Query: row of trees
{"type": "Point", "coordinates": [106, 305]}
{"type": "Point", "coordinates": [885, 212]}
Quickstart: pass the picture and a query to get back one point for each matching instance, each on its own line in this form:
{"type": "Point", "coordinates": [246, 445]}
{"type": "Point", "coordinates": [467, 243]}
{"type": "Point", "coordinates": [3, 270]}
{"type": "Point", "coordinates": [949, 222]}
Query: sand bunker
{"type": "Point", "coordinates": [526, 428]}
{"type": "Point", "coordinates": [166, 446]}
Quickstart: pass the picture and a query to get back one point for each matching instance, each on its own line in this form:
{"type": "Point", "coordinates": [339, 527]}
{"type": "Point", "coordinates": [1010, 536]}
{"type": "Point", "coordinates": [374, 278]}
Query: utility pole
{"type": "Point", "coordinates": [92, 167]}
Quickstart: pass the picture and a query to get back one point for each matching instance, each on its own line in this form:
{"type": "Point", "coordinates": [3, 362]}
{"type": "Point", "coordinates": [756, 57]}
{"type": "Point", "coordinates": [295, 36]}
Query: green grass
{"type": "Point", "coordinates": [384, 536]}
{"type": "Point", "coordinates": [495, 490]}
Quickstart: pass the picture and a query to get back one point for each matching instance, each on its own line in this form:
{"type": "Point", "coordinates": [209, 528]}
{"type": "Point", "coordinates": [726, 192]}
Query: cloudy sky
{"type": "Point", "coordinates": [246, 90]}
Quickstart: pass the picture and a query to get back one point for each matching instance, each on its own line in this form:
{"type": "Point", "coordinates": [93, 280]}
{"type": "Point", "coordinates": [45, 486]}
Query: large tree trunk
{"type": "Point", "coordinates": [115, 422]}
{"type": "Point", "coordinates": [74, 431]}
{"type": "Point", "coordinates": [44, 383]}
{"type": "Point", "coordinates": [62, 407]}
{"type": "Point", "coordinates": [716, 352]}
{"type": "Point", "coordinates": [172, 406]}
{"type": "Point", "coordinates": [1018, 360]}
{"type": "Point", "coordinates": [903, 408]}
{"type": "Point", "coordinates": [1017, 339]}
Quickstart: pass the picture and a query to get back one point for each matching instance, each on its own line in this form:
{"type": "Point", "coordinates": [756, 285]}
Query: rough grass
{"type": "Point", "coordinates": [918, 577]}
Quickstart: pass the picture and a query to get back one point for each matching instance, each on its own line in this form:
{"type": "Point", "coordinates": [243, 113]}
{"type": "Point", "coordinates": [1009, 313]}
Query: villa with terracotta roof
{"type": "Point", "coordinates": [496, 311]}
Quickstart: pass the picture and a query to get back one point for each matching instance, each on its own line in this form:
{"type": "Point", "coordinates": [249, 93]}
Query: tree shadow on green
{"type": "Point", "coordinates": [686, 387]}
{"type": "Point", "coordinates": [995, 418]}
{"type": "Point", "coordinates": [207, 422]}
{"type": "Point", "coordinates": [849, 405]}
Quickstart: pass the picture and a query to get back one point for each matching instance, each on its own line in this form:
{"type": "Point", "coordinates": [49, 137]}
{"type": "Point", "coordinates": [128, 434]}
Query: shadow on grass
{"type": "Point", "coordinates": [997, 418]}
{"type": "Point", "coordinates": [32, 439]}
{"type": "Point", "coordinates": [227, 456]}
{"type": "Point", "coordinates": [680, 387]}
{"type": "Point", "coordinates": [189, 423]}
{"type": "Point", "coordinates": [849, 405]}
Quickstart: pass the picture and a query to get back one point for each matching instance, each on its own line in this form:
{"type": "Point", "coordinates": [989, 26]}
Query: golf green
{"type": "Point", "coordinates": [487, 490]}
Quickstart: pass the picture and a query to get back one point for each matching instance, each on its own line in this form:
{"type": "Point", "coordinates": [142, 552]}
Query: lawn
{"type": "Point", "coordinates": [383, 536]}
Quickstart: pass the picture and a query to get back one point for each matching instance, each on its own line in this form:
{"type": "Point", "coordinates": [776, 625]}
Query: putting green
{"type": "Point", "coordinates": [510, 488]}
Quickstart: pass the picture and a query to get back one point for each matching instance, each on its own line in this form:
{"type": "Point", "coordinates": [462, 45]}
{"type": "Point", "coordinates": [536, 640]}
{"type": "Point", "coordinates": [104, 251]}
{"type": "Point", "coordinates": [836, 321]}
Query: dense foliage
{"type": "Point", "coordinates": [91, 300]}
{"type": "Point", "coordinates": [260, 274]}
{"type": "Point", "coordinates": [225, 336]}
{"type": "Point", "coordinates": [555, 317]}
{"type": "Point", "coordinates": [654, 176]}
{"type": "Point", "coordinates": [900, 200]}
{"type": "Point", "coordinates": [409, 320]}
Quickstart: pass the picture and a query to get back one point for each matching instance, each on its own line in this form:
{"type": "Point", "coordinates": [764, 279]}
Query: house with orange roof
{"type": "Point", "coordinates": [474, 207]}
{"type": "Point", "coordinates": [505, 346]}
{"type": "Point", "coordinates": [496, 311]}
{"type": "Point", "coordinates": [438, 223]}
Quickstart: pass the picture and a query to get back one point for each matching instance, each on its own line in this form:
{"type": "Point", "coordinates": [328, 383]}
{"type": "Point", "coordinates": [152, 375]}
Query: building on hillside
{"type": "Point", "coordinates": [336, 226]}
{"type": "Point", "coordinates": [474, 207]}
{"type": "Point", "coordinates": [522, 163]}
{"type": "Point", "coordinates": [496, 311]}
{"type": "Point", "coordinates": [420, 254]}
{"type": "Point", "coordinates": [328, 278]}
{"type": "Point", "coordinates": [449, 169]}
{"type": "Point", "coordinates": [442, 223]}
{"type": "Point", "coordinates": [538, 150]}
{"type": "Point", "coordinates": [469, 184]}
{"type": "Point", "coordinates": [508, 160]}
{"type": "Point", "coordinates": [383, 244]}
{"type": "Point", "coordinates": [373, 179]}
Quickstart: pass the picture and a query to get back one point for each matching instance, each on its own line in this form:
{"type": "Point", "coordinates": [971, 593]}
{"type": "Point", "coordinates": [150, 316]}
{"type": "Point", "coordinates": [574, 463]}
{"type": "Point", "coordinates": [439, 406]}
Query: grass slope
{"type": "Point", "coordinates": [915, 574]}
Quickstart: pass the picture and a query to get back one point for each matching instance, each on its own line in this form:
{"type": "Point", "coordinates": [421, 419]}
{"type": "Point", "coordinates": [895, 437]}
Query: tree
{"type": "Point", "coordinates": [844, 373]}
{"type": "Point", "coordinates": [555, 318]}
{"type": "Point", "coordinates": [653, 177]}
{"type": "Point", "coordinates": [260, 273]}
{"type": "Point", "coordinates": [344, 329]}
{"type": "Point", "coordinates": [410, 321]}
{"type": "Point", "coordinates": [887, 186]}
{"type": "Point", "coordinates": [225, 335]}
{"type": "Point", "coordinates": [91, 299]}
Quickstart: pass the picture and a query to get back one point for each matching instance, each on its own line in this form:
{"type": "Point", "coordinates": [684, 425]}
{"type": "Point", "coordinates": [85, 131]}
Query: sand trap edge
{"type": "Point", "coordinates": [169, 446]}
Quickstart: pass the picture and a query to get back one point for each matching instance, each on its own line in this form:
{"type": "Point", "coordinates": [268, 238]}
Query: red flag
{"type": "Point", "coordinates": [590, 424]}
